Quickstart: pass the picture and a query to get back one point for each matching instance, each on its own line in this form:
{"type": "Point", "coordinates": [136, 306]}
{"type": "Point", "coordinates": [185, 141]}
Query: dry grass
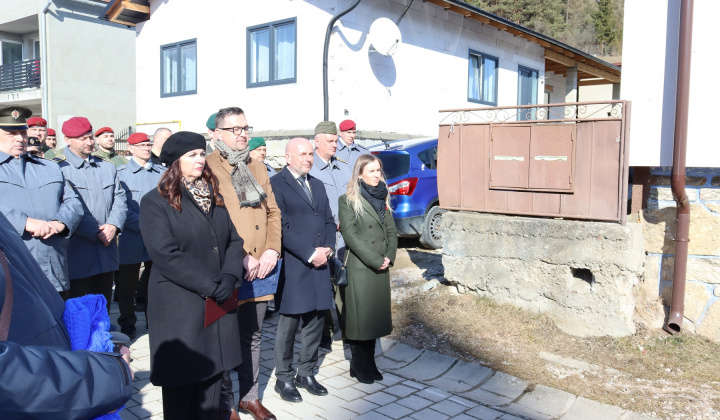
{"type": "Point", "coordinates": [649, 372]}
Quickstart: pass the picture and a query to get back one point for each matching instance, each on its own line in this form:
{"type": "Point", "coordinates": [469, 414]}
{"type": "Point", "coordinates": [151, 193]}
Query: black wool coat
{"type": "Point", "coordinates": [302, 287]}
{"type": "Point", "coordinates": [188, 249]}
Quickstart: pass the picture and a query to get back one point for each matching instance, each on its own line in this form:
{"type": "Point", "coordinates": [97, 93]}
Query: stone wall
{"type": "Point", "coordinates": [582, 274]}
{"type": "Point", "coordinates": [702, 298]}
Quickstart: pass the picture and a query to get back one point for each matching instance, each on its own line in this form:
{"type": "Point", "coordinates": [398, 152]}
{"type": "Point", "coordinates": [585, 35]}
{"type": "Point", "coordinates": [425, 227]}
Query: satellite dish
{"type": "Point", "coordinates": [384, 36]}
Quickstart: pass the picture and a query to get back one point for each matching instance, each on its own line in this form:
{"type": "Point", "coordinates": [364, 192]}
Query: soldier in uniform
{"type": "Point", "coordinates": [158, 140]}
{"type": "Point", "coordinates": [42, 207]}
{"type": "Point", "coordinates": [105, 138]}
{"type": "Point", "coordinates": [37, 127]}
{"type": "Point", "coordinates": [210, 124]}
{"type": "Point", "coordinates": [348, 149]}
{"type": "Point", "coordinates": [50, 144]}
{"type": "Point", "coordinates": [93, 255]}
{"type": "Point", "coordinates": [258, 151]}
{"type": "Point", "coordinates": [138, 177]}
{"type": "Point", "coordinates": [335, 174]}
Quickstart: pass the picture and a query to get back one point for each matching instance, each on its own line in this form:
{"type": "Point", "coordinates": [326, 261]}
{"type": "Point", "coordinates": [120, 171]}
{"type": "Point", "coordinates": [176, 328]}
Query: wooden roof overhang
{"type": "Point", "coordinates": [558, 56]}
{"type": "Point", "coordinates": [128, 12]}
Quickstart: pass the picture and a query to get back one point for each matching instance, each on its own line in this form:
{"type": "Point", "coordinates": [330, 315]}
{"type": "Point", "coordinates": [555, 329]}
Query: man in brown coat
{"type": "Point", "coordinates": [245, 186]}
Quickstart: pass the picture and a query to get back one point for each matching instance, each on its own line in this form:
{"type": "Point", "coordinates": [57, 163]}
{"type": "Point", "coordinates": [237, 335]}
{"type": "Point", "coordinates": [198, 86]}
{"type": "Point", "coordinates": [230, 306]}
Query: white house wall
{"type": "Point", "coordinates": [399, 94]}
{"type": "Point", "coordinates": [650, 43]}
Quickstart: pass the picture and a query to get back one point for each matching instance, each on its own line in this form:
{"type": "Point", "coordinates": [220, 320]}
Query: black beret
{"type": "Point", "coordinates": [180, 143]}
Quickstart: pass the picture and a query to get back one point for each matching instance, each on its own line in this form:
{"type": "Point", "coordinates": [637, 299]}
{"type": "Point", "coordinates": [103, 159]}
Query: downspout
{"type": "Point", "coordinates": [682, 233]}
{"type": "Point", "coordinates": [43, 60]}
{"type": "Point", "coordinates": [325, 54]}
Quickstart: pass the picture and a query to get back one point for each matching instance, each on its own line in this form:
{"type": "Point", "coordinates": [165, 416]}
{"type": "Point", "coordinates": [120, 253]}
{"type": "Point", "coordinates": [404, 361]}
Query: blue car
{"type": "Point", "coordinates": [410, 168]}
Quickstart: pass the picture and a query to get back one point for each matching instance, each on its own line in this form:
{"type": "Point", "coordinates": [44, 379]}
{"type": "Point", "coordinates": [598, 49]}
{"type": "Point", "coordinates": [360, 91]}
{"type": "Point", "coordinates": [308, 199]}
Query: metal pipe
{"type": "Point", "coordinates": [682, 233]}
{"type": "Point", "coordinates": [325, 55]}
{"type": "Point", "coordinates": [43, 60]}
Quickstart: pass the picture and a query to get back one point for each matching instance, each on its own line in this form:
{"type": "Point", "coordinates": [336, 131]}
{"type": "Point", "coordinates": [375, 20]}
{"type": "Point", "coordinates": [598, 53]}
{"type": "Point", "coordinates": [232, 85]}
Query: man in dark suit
{"type": "Point", "coordinates": [304, 293]}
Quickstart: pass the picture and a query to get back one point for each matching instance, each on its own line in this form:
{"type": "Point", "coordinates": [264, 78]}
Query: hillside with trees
{"type": "Point", "coordinates": [593, 26]}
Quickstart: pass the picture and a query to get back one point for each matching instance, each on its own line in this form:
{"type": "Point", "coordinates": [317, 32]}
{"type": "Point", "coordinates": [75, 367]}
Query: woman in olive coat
{"type": "Point", "coordinates": [369, 232]}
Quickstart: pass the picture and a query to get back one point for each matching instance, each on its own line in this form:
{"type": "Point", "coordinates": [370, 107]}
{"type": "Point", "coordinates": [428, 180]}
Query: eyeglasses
{"type": "Point", "coordinates": [238, 130]}
{"type": "Point", "coordinates": [142, 146]}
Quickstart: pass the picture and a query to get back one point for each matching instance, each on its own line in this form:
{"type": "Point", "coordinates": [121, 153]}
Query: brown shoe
{"type": "Point", "coordinates": [256, 409]}
{"type": "Point", "coordinates": [229, 415]}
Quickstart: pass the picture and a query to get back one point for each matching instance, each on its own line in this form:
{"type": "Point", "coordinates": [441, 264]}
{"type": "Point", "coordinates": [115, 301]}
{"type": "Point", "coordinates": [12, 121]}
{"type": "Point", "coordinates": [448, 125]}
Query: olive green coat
{"type": "Point", "coordinates": [364, 304]}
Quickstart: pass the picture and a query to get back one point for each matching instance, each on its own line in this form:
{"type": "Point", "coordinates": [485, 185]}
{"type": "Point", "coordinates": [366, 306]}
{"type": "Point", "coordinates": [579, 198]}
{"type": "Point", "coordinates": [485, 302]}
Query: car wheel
{"type": "Point", "coordinates": [431, 235]}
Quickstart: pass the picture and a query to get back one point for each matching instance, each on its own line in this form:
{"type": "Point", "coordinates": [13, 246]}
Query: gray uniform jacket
{"type": "Point", "coordinates": [137, 181]}
{"type": "Point", "coordinates": [335, 176]}
{"type": "Point", "coordinates": [98, 187]}
{"type": "Point", "coordinates": [36, 188]}
{"type": "Point", "coordinates": [349, 153]}
{"type": "Point", "coordinates": [40, 377]}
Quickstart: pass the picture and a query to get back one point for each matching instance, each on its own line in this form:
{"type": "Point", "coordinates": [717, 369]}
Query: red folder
{"type": "Point", "coordinates": [213, 311]}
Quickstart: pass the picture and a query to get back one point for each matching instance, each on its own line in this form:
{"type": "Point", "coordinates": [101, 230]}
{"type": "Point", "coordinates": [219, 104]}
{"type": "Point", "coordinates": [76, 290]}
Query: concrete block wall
{"type": "Point", "coordinates": [702, 298]}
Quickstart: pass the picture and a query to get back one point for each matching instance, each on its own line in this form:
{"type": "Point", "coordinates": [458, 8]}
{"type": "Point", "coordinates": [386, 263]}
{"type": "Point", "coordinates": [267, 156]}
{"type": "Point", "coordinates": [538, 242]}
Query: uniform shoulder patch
{"type": "Point", "coordinates": [59, 158]}
{"type": "Point", "coordinates": [343, 161]}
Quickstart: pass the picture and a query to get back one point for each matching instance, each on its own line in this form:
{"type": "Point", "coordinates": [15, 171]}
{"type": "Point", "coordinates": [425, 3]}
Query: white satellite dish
{"type": "Point", "coordinates": [384, 36]}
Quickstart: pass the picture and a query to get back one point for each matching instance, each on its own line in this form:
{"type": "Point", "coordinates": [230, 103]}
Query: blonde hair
{"type": "Point", "coordinates": [353, 188]}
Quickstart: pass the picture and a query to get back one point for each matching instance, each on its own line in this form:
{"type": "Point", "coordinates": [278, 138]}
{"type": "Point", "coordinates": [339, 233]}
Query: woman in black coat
{"type": "Point", "coordinates": [197, 254]}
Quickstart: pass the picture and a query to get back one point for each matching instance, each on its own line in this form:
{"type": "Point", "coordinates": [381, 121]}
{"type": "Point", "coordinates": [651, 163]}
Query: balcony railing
{"type": "Point", "coordinates": [20, 75]}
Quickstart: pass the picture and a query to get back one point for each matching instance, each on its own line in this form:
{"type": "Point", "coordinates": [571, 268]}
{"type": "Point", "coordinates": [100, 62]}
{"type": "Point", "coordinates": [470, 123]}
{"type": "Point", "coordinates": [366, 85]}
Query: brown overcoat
{"type": "Point", "coordinates": [258, 226]}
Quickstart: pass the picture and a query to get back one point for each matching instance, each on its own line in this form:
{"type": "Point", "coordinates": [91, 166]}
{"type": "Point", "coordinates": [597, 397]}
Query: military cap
{"type": "Point", "coordinates": [36, 122]}
{"type": "Point", "coordinates": [136, 138]}
{"type": "Point", "coordinates": [210, 124]}
{"type": "Point", "coordinates": [180, 143]}
{"type": "Point", "coordinates": [14, 117]}
{"type": "Point", "coordinates": [326, 127]}
{"type": "Point", "coordinates": [104, 130]}
{"type": "Point", "coordinates": [34, 141]}
{"type": "Point", "coordinates": [50, 132]}
{"type": "Point", "coordinates": [256, 142]}
{"type": "Point", "coordinates": [347, 125]}
{"type": "Point", "coordinates": [76, 127]}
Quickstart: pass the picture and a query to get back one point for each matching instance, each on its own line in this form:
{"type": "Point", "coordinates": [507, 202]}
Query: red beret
{"type": "Point", "coordinates": [104, 130]}
{"type": "Point", "coordinates": [36, 122]}
{"type": "Point", "coordinates": [76, 127]}
{"type": "Point", "coordinates": [347, 125]}
{"type": "Point", "coordinates": [136, 138]}
{"type": "Point", "coordinates": [51, 132]}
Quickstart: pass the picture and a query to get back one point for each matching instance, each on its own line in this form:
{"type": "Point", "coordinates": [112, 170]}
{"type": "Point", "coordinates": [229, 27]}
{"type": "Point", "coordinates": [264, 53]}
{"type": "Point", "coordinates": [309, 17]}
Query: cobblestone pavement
{"type": "Point", "coordinates": [417, 384]}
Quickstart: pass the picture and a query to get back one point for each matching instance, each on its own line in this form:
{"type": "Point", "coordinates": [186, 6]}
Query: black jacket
{"type": "Point", "coordinates": [303, 288]}
{"type": "Point", "coordinates": [188, 249]}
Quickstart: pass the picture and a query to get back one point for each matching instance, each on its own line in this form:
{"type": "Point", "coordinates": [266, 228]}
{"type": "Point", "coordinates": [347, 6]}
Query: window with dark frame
{"type": "Point", "coordinates": [527, 92]}
{"type": "Point", "coordinates": [272, 53]}
{"type": "Point", "coordinates": [482, 78]}
{"type": "Point", "coordinates": [178, 68]}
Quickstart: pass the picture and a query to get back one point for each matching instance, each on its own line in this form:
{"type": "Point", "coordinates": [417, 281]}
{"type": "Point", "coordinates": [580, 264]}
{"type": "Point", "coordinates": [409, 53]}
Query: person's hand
{"type": "Point", "coordinates": [106, 233]}
{"type": "Point", "coordinates": [268, 261]}
{"type": "Point", "coordinates": [225, 287]}
{"type": "Point", "coordinates": [385, 265]}
{"type": "Point", "coordinates": [338, 227]}
{"type": "Point", "coordinates": [55, 228]}
{"type": "Point", "coordinates": [328, 252]}
{"type": "Point", "coordinates": [126, 357]}
{"type": "Point", "coordinates": [321, 257]}
{"type": "Point", "coordinates": [37, 228]}
{"type": "Point", "coordinates": [252, 266]}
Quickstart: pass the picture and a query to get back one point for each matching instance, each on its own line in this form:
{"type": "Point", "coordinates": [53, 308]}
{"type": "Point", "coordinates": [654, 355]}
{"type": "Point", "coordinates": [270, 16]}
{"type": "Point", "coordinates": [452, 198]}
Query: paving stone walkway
{"type": "Point", "coordinates": [418, 384]}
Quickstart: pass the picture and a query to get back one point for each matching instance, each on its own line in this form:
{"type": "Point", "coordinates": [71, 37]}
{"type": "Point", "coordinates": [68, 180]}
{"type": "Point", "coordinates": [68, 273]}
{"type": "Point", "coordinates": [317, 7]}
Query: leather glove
{"type": "Point", "coordinates": [225, 286]}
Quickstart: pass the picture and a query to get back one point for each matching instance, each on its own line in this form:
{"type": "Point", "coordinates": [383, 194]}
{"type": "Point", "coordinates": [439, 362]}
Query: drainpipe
{"type": "Point", "coordinates": [43, 60]}
{"type": "Point", "coordinates": [677, 307]}
{"type": "Point", "coordinates": [325, 54]}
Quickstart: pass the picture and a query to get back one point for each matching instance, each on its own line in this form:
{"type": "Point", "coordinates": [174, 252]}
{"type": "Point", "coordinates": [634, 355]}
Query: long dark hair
{"type": "Point", "coordinates": [169, 185]}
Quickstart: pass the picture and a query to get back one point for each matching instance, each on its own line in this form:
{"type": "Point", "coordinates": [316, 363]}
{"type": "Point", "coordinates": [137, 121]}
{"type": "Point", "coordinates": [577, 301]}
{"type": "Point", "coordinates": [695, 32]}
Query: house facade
{"type": "Point", "coordinates": [61, 60]}
{"type": "Point", "coordinates": [268, 59]}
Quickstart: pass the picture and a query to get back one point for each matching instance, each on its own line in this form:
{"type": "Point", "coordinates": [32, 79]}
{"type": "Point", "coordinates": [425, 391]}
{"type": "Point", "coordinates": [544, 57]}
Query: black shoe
{"type": "Point", "coordinates": [128, 330]}
{"type": "Point", "coordinates": [362, 378]}
{"type": "Point", "coordinates": [311, 385]}
{"type": "Point", "coordinates": [287, 391]}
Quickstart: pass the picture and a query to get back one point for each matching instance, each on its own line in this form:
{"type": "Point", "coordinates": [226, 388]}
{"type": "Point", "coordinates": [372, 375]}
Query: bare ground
{"type": "Point", "coordinates": [650, 372]}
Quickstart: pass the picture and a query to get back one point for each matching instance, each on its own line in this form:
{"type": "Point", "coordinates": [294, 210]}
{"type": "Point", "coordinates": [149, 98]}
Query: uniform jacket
{"type": "Point", "coordinates": [36, 188]}
{"type": "Point", "coordinates": [103, 199]}
{"type": "Point", "coordinates": [136, 181]}
{"type": "Point", "coordinates": [258, 226]}
{"type": "Point", "coordinates": [350, 153]}
{"type": "Point", "coordinates": [37, 369]}
{"type": "Point", "coordinates": [189, 249]}
{"type": "Point", "coordinates": [335, 176]}
{"type": "Point", "coordinates": [302, 287]}
{"type": "Point", "coordinates": [364, 304]}
{"type": "Point", "coordinates": [111, 157]}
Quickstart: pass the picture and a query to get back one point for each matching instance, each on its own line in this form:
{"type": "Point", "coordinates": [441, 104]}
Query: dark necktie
{"type": "Point", "coordinates": [305, 188]}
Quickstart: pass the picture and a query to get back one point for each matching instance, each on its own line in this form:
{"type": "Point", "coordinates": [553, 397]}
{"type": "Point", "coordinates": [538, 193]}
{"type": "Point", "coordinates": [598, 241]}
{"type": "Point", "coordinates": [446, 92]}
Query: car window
{"type": "Point", "coordinates": [394, 164]}
{"type": "Point", "coordinates": [429, 157]}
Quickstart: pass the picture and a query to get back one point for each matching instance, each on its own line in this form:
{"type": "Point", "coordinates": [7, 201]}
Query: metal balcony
{"type": "Point", "coordinates": [20, 75]}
